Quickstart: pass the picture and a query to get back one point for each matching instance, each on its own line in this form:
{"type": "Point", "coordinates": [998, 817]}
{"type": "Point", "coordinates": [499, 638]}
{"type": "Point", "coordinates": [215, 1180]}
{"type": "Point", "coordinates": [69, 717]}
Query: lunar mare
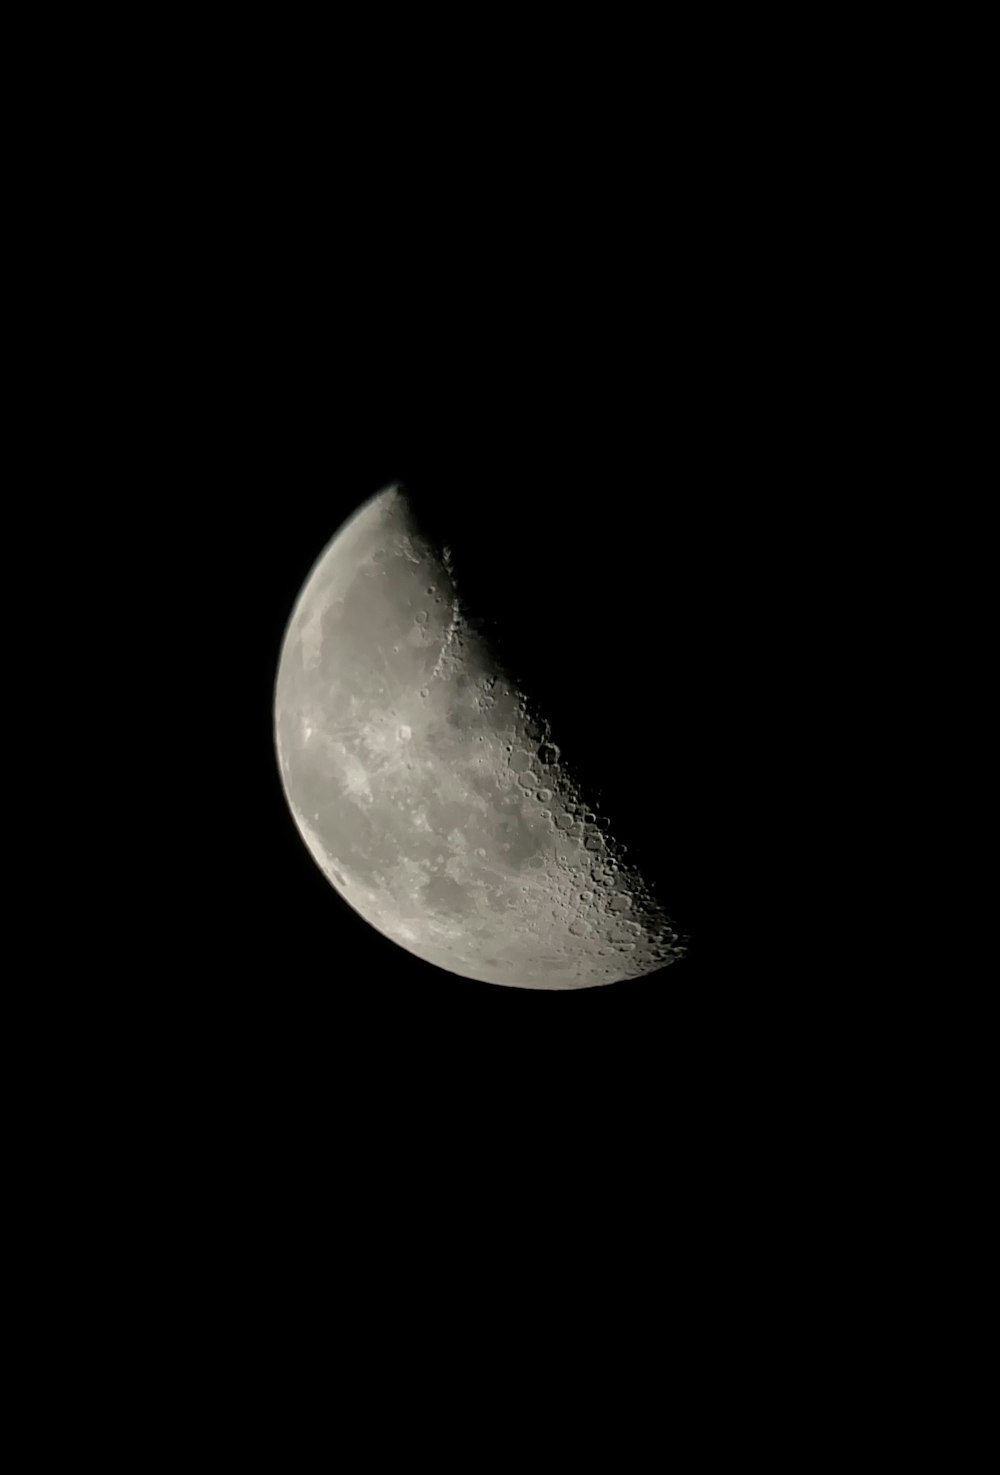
{"type": "Point", "coordinates": [433, 797]}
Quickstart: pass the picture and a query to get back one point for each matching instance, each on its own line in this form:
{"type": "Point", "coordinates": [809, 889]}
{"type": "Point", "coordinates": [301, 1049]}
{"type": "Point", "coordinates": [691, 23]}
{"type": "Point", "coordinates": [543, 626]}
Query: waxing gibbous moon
{"type": "Point", "coordinates": [432, 795]}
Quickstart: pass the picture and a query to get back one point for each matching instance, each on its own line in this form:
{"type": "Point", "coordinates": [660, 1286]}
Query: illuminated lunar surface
{"type": "Point", "coordinates": [435, 800]}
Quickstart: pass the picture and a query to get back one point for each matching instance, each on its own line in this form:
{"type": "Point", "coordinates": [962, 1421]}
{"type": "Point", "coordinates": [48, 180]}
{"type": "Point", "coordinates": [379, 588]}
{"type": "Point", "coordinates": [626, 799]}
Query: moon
{"type": "Point", "coordinates": [429, 789]}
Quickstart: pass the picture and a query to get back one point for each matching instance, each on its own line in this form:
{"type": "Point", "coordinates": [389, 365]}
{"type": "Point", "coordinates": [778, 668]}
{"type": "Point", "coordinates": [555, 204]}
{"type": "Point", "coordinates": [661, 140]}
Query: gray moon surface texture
{"type": "Point", "coordinates": [431, 795]}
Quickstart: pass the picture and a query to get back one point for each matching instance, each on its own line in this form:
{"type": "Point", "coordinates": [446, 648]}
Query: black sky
{"type": "Point", "coordinates": [621, 360]}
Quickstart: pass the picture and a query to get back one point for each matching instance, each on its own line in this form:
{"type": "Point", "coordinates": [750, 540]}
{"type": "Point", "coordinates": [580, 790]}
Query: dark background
{"type": "Point", "coordinates": [626, 353]}
{"type": "Point", "coordinates": [627, 387]}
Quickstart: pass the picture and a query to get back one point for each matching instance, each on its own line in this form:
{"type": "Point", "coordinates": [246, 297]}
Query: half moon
{"type": "Point", "coordinates": [429, 791]}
